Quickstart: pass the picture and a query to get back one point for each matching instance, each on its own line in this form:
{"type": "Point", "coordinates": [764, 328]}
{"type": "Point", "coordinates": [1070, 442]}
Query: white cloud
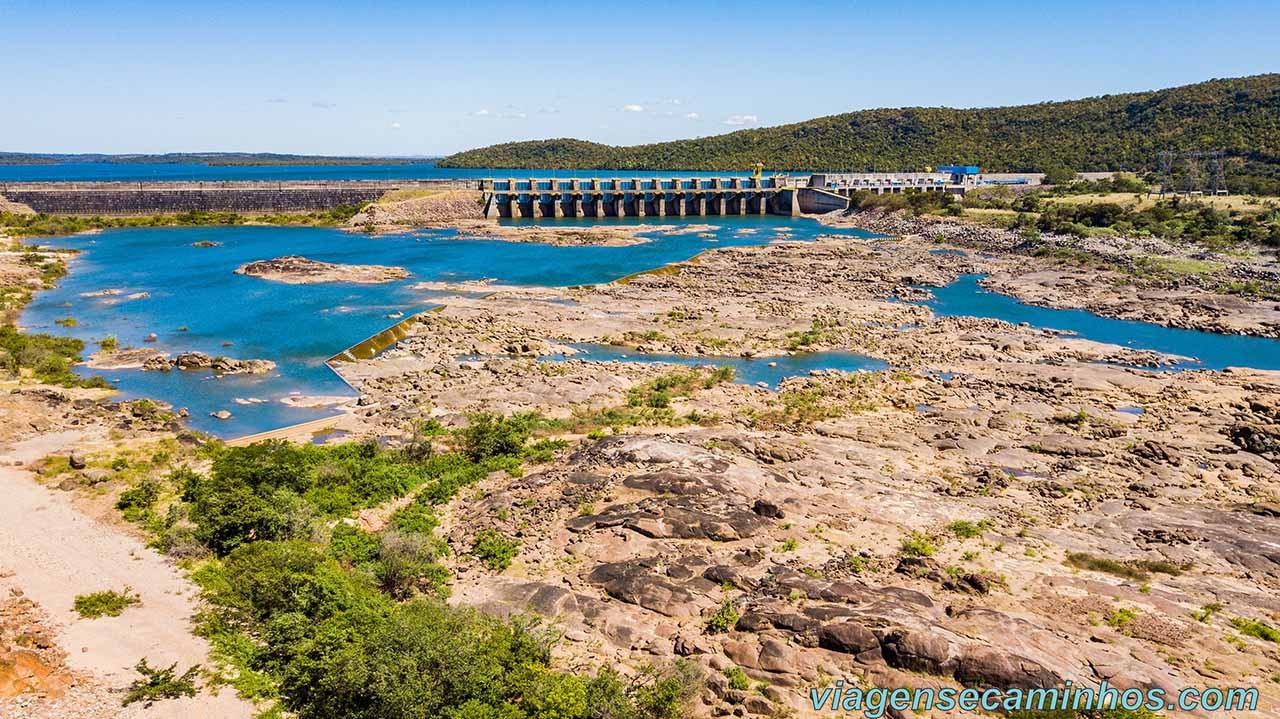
{"type": "Point", "coordinates": [548, 111]}
{"type": "Point", "coordinates": [395, 126]}
{"type": "Point", "coordinates": [277, 101]}
{"type": "Point", "coordinates": [324, 104]}
{"type": "Point", "coordinates": [633, 108]}
{"type": "Point", "coordinates": [512, 115]}
{"type": "Point", "coordinates": [691, 116]}
{"type": "Point", "coordinates": [741, 120]}
{"type": "Point", "coordinates": [480, 113]}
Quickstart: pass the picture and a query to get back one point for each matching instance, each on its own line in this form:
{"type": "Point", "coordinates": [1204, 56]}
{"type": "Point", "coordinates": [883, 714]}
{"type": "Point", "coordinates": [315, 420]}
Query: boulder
{"type": "Point", "coordinates": [916, 651]}
{"type": "Point", "coordinates": [847, 637]}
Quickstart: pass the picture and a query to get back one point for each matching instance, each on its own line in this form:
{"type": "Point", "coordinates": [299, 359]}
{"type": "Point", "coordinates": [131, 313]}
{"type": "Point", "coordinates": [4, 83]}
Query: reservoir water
{"type": "Point", "coordinates": [966, 298]}
{"type": "Point", "coordinates": [189, 296]}
{"type": "Point", "coordinates": [190, 172]}
{"type": "Point", "coordinates": [195, 301]}
{"type": "Point", "coordinates": [755, 370]}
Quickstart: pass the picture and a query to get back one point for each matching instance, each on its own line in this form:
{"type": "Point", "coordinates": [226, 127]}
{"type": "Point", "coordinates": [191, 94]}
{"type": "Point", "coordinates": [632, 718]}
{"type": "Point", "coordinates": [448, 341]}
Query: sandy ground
{"type": "Point", "coordinates": [55, 553]}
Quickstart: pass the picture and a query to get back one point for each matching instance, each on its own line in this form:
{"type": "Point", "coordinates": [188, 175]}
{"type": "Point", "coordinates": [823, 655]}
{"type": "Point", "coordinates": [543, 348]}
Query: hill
{"type": "Point", "coordinates": [1111, 132]}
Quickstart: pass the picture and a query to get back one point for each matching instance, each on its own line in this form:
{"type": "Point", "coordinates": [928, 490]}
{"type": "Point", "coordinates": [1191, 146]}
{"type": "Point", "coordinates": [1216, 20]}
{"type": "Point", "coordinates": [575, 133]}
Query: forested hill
{"type": "Point", "coordinates": [1112, 132]}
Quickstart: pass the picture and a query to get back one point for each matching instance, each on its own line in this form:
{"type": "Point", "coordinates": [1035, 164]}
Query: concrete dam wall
{"type": "Point", "coordinates": [158, 198]}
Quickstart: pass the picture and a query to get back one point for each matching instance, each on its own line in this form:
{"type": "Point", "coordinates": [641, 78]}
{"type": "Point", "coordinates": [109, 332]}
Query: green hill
{"type": "Point", "coordinates": [1111, 132]}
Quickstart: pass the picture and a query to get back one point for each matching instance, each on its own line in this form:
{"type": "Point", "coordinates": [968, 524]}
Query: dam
{"type": "Point", "coordinates": [167, 197]}
{"type": "Point", "coordinates": [636, 197]}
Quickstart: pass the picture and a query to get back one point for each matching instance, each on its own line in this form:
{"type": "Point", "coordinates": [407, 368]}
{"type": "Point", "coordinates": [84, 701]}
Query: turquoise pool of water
{"type": "Point", "coordinates": [747, 370]}
{"type": "Point", "coordinates": [299, 326]}
{"type": "Point", "coordinates": [966, 298]}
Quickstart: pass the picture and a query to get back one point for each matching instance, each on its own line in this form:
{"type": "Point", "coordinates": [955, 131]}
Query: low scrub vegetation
{"type": "Point", "coordinates": [109, 603]}
{"type": "Point", "coordinates": [157, 684]}
{"type": "Point", "coordinates": [315, 616]}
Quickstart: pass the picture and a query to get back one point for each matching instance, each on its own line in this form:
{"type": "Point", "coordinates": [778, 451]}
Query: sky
{"type": "Point", "coordinates": [429, 78]}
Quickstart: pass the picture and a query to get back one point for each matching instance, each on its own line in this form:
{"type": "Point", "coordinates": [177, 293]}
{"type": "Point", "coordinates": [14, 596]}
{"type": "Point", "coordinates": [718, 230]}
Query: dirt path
{"type": "Point", "coordinates": [55, 553]}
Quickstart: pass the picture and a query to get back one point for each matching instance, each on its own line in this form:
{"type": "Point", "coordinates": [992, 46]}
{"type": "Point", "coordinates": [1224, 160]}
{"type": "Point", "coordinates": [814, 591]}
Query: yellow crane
{"type": "Point", "coordinates": [758, 171]}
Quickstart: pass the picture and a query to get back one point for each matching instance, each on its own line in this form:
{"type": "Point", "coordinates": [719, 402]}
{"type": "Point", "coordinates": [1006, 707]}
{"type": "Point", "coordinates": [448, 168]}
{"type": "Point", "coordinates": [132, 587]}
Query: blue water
{"type": "Point", "coordinates": [299, 326]}
{"type": "Point", "coordinates": [142, 172]}
{"type": "Point", "coordinates": [966, 298]}
{"type": "Point", "coordinates": [748, 371]}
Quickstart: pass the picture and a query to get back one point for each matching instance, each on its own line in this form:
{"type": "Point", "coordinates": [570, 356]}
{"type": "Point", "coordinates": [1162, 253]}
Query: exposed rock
{"type": "Point", "coordinates": [200, 360]}
{"type": "Point", "coordinates": [294, 269]}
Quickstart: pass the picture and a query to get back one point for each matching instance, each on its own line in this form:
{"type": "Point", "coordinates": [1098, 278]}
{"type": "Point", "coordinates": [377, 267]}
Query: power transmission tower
{"type": "Point", "coordinates": [1217, 182]}
{"type": "Point", "coordinates": [1194, 165]}
{"type": "Point", "coordinates": [1191, 177]}
{"type": "Point", "coordinates": [1167, 160]}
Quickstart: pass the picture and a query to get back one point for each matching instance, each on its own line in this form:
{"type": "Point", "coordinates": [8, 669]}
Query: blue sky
{"type": "Point", "coordinates": [427, 77]}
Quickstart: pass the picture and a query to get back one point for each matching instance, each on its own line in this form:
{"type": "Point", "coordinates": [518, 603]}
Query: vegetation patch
{"type": "Point", "coordinates": [724, 618]}
{"type": "Point", "coordinates": [494, 549]}
{"type": "Point", "coordinates": [108, 603]}
{"type": "Point", "coordinates": [313, 616]}
{"type": "Point", "coordinates": [1257, 629]}
{"type": "Point", "coordinates": [157, 684]}
{"type": "Point", "coordinates": [1083, 560]}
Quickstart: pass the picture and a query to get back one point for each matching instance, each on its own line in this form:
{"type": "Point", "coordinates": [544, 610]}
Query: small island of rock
{"type": "Point", "coordinates": [298, 270]}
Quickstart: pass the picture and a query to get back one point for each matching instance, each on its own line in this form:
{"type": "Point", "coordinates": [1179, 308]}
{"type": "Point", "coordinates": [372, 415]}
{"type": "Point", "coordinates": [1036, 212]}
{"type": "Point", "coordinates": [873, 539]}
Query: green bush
{"type": "Point", "coordinates": [135, 502]}
{"type": "Point", "coordinates": [109, 603]}
{"type": "Point", "coordinates": [336, 647]}
{"type": "Point", "coordinates": [494, 549]}
{"type": "Point", "coordinates": [487, 435]}
{"type": "Point", "coordinates": [157, 684]}
{"type": "Point", "coordinates": [918, 544]}
{"type": "Point", "coordinates": [407, 565]}
{"type": "Point", "coordinates": [724, 618]}
{"type": "Point", "coordinates": [968, 530]}
{"type": "Point", "coordinates": [1257, 629]}
{"type": "Point", "coordinates": [49, 358]}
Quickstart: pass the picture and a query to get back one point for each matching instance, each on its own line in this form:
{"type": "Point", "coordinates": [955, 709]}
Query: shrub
{"type": "Point", "coordinates": [49, 358]}
{"type": "Point", "coordinates": [407, 564]}
{"type": "Point", "coordinates": [1082, 560]}
{"type": "Point", "coordinates": [494, 549]}
{"type": "Point", "coordinates": [918, 544]}
{"type": "Point", "coordinates": [1255, 628]}
{"type": "Point", "coordinates": [738, 679]}
{"type": "Point", "coordinates": [724, 618]}
{"type": "Point", "coordinates": [353, 545]}
{"type": "Point", "coordinates": [158, 684]}
{"type": "Point", "coordinates": [105, 604]}
{"type": "Point", "coordinates": [968, 530]}
{"type": "Point", "coordinates": [487, 435]}
{"type": "Point", "coordinates": [134, 503]}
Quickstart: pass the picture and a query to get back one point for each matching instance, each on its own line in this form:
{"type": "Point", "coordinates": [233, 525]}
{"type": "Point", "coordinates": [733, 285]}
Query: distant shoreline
{"type": "Point", "coordinates": [212, 159]}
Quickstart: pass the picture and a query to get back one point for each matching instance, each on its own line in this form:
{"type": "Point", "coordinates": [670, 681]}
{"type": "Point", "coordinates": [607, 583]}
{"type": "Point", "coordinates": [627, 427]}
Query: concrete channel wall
{"type": "Point", "coordinates": [151, 198]}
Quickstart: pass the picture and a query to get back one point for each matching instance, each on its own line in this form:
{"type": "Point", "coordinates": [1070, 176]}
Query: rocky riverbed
{"type": "Point", "coordinates": [1162, 281]}
{"type": "Point", "coordinates": [1005, 506]}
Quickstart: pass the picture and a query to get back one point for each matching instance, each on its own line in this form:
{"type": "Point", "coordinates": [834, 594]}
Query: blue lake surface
{"type": "Point", "coordinates": [966, 298]}
{"type": "Point", "coordinates": [299, 326]}
{"type": "Point", "coordinates": [143, 172]}
{"type": "Point", "coordinates": [748, 370]}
